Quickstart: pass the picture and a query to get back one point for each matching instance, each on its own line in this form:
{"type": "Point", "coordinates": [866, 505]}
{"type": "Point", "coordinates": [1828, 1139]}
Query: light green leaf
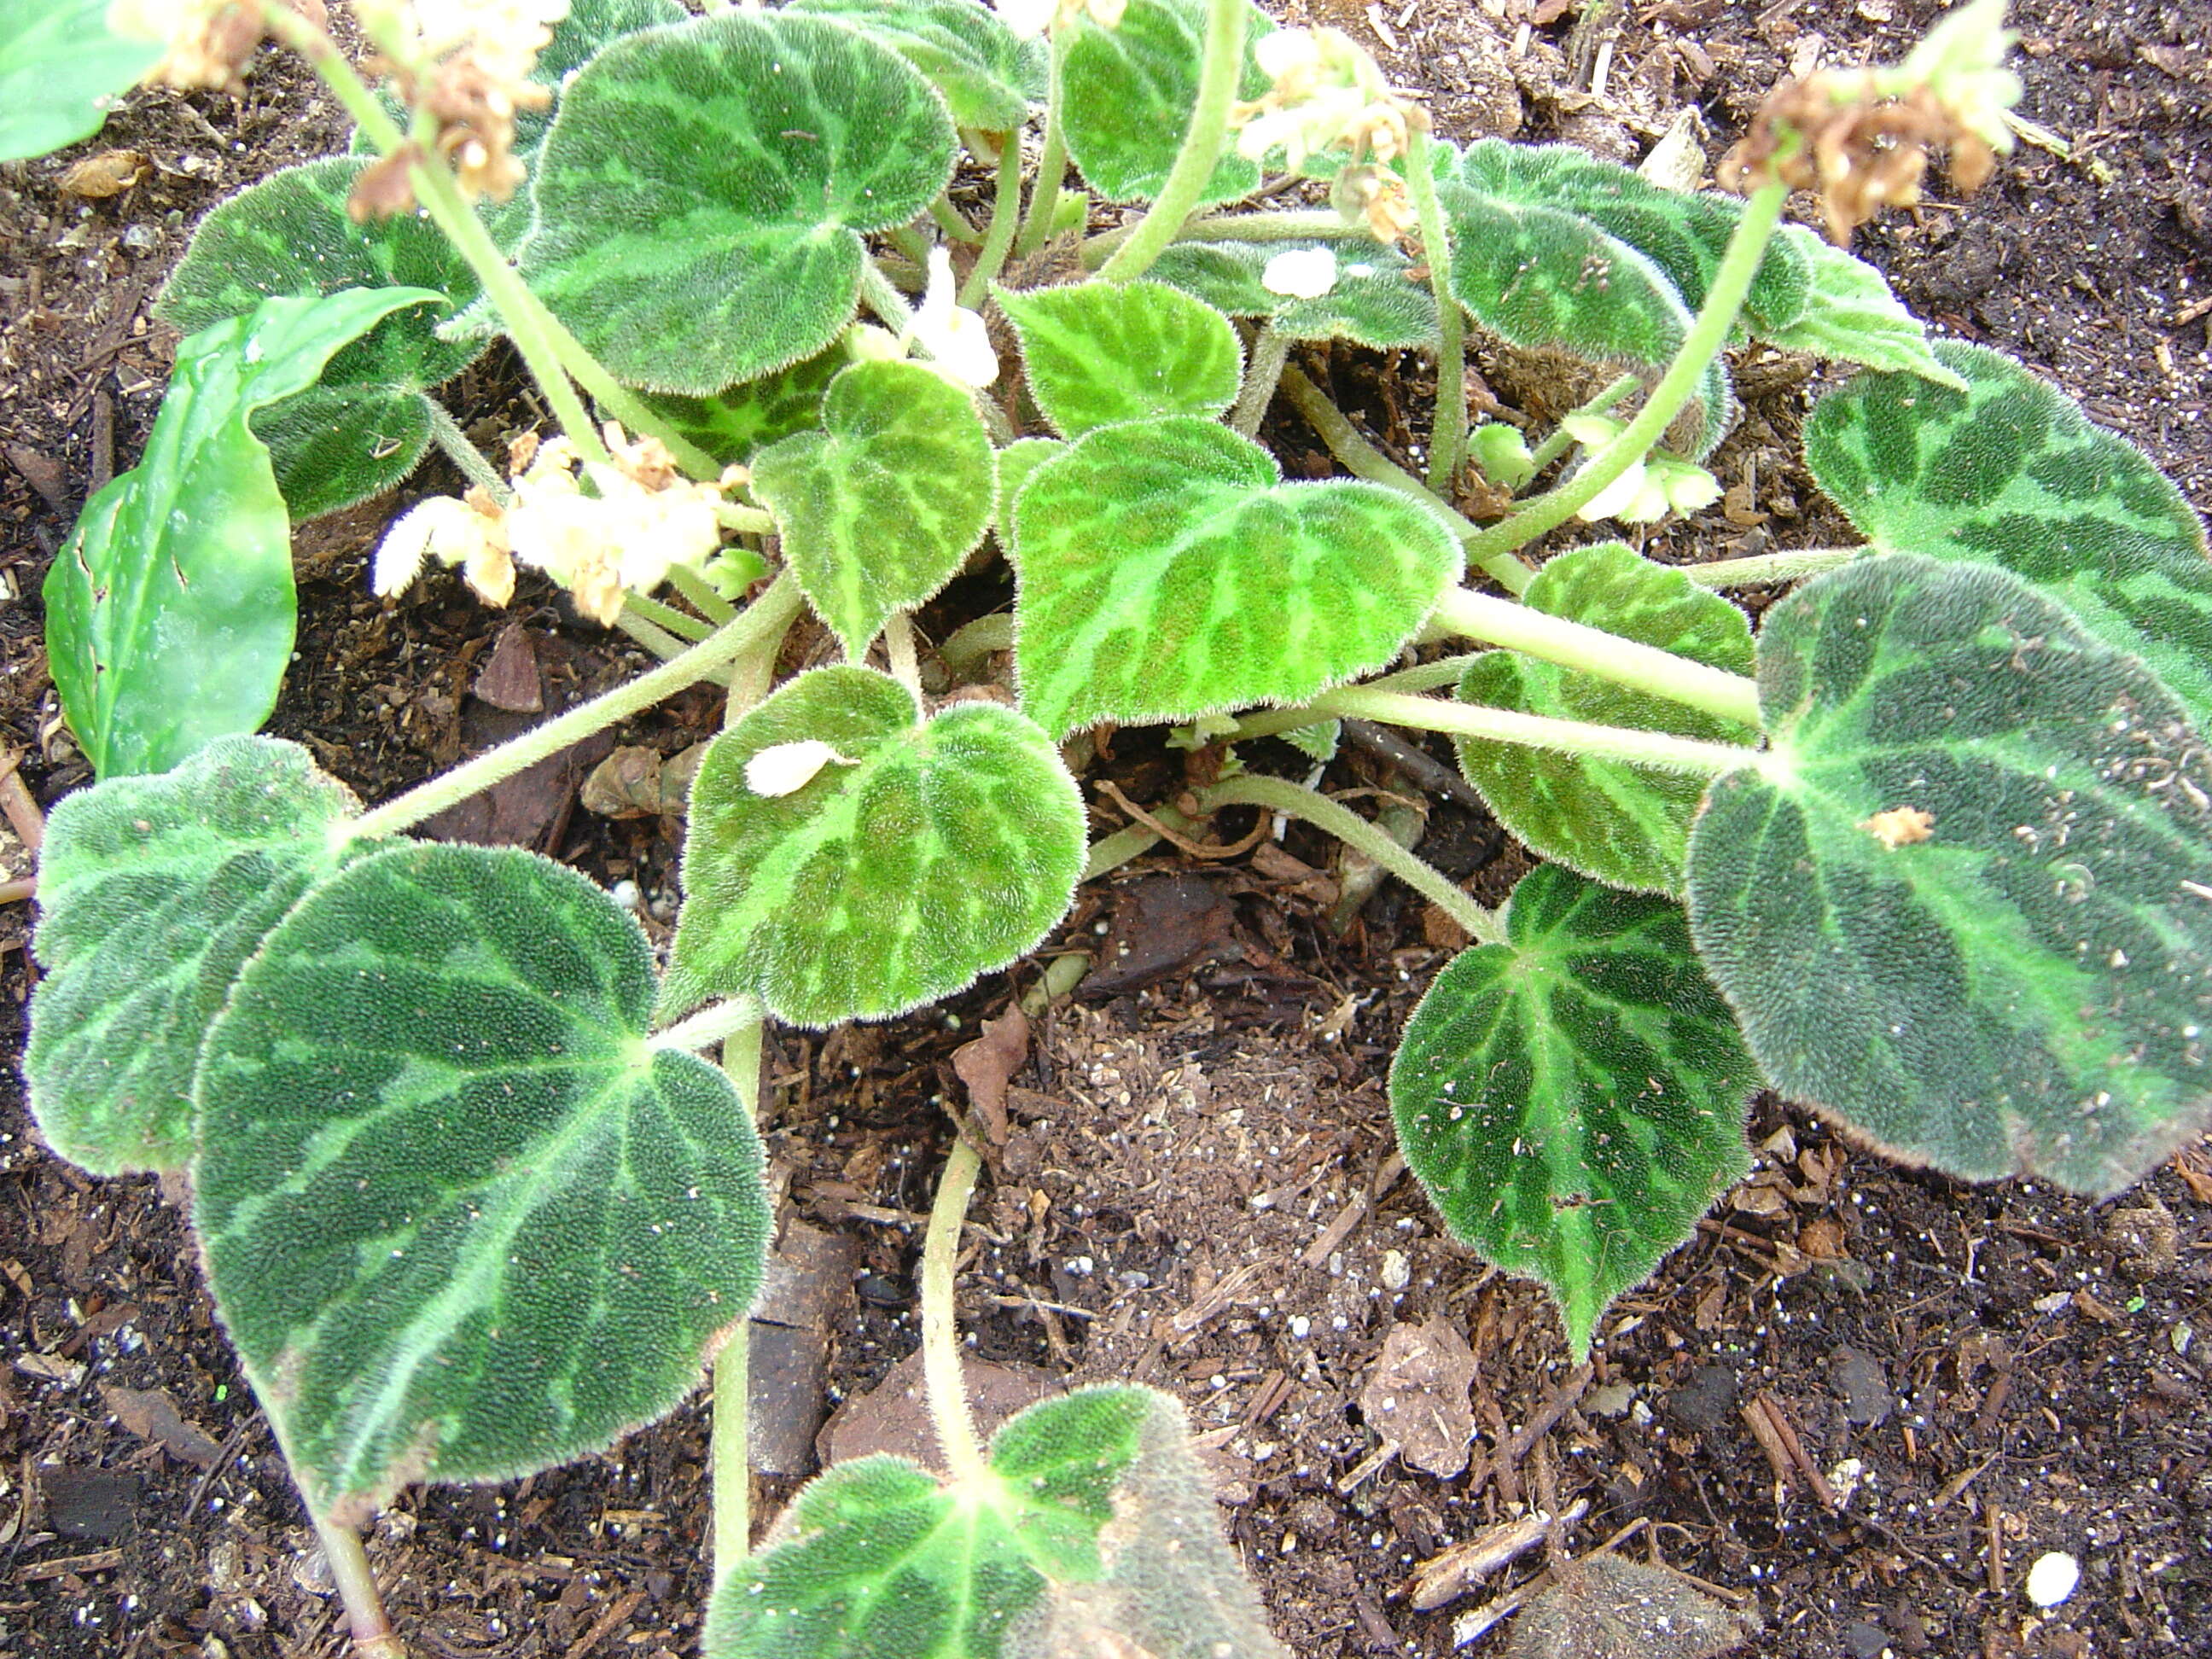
{"type": "Point", "coordinates": [879, 509]}
{"type": "Point", "coordinates": [987, 74]}
{"type": "Point", "coordinates": [461, 1220]}
{"type": "Point", "coordinates": [363, 426]}
{"type": "Point", "coordinates": [1852, 316]}
{"type": "Point", "coordinates": [1091, 1532]}
{"type": "Point", "coordinates": [925, 852]}
{"type": "Point", "coordinates": [1167, 571]}
{"type": "Point", "coordinates": [1376, 303]}
{"type": "Point", "coordinates": [1962, 905]}
{"type": "Point", "coordinates": [2011, 473]}
{"type": "Point", "coordinates": [1128, 92]}
{"type": "Point", "coordinates": [1096, 353]}
{"type": "Point", "coordinates": [185, 560]}
{"type": "Point", "coordinates": [1542, 278]}
{"type": "Point", "coordinates": [61, 69]}
{"type": "Point", "coordinates": [735, 424]}
{"type": "Point", "coordinates": [1625, 826]}
{"type": "Point", "coordinates": [704, 188]}
{"type": "Point", "coordinates": [1573, 1100]}
{"type": "Point", "coordinates": [152, 894]}
{"type": "Point", "coordinates": [1015, 462]}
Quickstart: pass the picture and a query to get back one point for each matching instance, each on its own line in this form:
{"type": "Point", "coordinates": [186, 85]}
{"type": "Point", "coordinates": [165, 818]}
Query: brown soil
{"type": "Point", "coordinates": [1198, 1191]}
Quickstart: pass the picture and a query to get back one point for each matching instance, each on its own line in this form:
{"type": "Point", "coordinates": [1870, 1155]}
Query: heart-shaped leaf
{"type": "Point", "coordinates": [738, 423]}
{"type": "Point", "coordinates": [1542, 278]}
{"type": "Point", "coordinates": [986, 74]}
{"type": "Point", "coordinates": [880, 508]}
{"type": "Point", "coordinates": [1098, 354]}
{"type": "Point", "coordinates": [62, 68]}
{"type": "Point", "coordinates": [1573, 1100]}
{"type": "Point", "coordinates": [703, 189]}
{"type": "Point", "coordinates": [1167, 571]}
{"type": "Point", "coordinates": [1625, 826]}
{"type": "Point", "coordinates": [1127, 93]}
{"type": "Point", "coordinates": [363, 426]}
{"type": "Point", "coordinates": [152, 894]}
{"type": "Point", "coordinates": [1966, 902]}
{"type": "Point", "coordinates": [1375, 301]}
{"type": "Point", "coordinates": [186, 560]}
{"type": "Point", "coordinates": [918, 854]}
{"type": "Point", "coordinates": [1090, 1532]}
{"type": "Point", "coordinates": [462, 1220]}
{"type": "Point", "coordinates": [2011, 473]}
{"type": "Point", "coordinates": [1852, 316]}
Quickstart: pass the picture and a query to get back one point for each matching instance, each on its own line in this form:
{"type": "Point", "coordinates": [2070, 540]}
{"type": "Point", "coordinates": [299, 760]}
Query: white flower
{"type": "Point", "coordinates": [784, 769]}
{"type": "Point", "coordinates": [1302, 273]}
{"type": "Point", "coordinates": [471, 532]}
{"type": "Point", "coordinates": [956, 338]}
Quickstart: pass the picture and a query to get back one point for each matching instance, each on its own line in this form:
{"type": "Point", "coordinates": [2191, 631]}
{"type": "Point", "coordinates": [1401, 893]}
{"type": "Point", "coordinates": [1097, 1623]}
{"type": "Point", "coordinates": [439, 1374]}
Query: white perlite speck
{"type": "Point", "coordinates": [2053, 1578]}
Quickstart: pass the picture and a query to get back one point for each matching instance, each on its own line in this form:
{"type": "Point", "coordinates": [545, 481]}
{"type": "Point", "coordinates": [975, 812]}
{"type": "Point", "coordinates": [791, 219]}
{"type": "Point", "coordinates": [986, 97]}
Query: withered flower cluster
{"type": "Point", "coordinates": [209, 41]}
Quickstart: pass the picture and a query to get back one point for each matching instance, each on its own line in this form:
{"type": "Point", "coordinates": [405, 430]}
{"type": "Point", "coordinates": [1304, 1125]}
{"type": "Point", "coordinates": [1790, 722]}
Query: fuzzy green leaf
{"type": "Point", "coordinates": [152, 894]}
{"type": "Point", "coordinates": [1375, 303]}
{"type": "Point", "coordinates": [2011, 473]}
{"type": "Point", "coordinates": [735, 424]}
{"type": "Point", "coordinates": [704, 187]}
{"type": "Point", "coordinates": [987, 74]}
{"type": "Point", "coordinates": [926, 853]}
{"type": "Point", "coordinates": [1963, 903]}
{"type": "Point", "coordinates": [1127, 93]}
{"type": "Point", "coordinates": [1625, 826]}
{"type": "Point", "coordinates": [461, 1220]}
{"type": "Point", "coordinates": [61, 69]}
{"type": "Point", "coordinates": [1015, 462]}
{"type": "Point", "coordinates": [363, 426]}
{"type": "Point", "coordinates": [185, 560]}
{"type": "Point", "coordinates": [878, 509]}
{"type": "Point", "coordinates": [1573, 1100]}
{"type": "Point", "coordinates": [1090, 1532]}
{"type": "Point", "coordinates": [1852, 316]}
{"type": "Point", "coordinates": [1167, 571]}
{"type": "Point", "coordinates": [1541, 278]}
{"type": "Point", "coordinates": [1096, 354]}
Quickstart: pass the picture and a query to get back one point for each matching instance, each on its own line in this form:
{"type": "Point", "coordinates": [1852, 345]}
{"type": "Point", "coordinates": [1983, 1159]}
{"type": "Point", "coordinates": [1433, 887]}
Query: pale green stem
{"type": "Point", "coordinates": [1448, 435]}
{"type": "Point", "coordinates": [898, 647]}
{"type": "Point", "coordinates": [954, 223]}
{"type": "Point", "coordinates": [696, 588]}
{"type": "Point", "coordinates": [1724, 300]}
{"type": "Point", "coordinates": [1005, 219]}
{"type": "Point", "coordinates": [1061, 977]}
{"type": "Point", "coordinates": [1111, 853]}
{"type": "Point", "coordinates": [1280, 795]}
{"type": "Point", "coordinates": [745, 520]}
{"type": "Point", "coordinates": [1052, 168]}
{"type": "Point", "coordinates": [1613, 743]}
{"type": "Point", "coordinates": [946, 1382]}
{"type": "Point", "coordinates": [371, 1628]}
{"type": "Point", "coordinates": [666, 618]}
{"type": "Point", "coordinates": [1363, 461]}
{"type": "Point", "coordinates": [1575, 645]}
{"type": "Point", "coordinates": [761, 628]}
{"type": "Point", "coordinates": [1270, 351]}
{"type": "Point", "coordinates": [648, 633]}
{"type": "Point", "coordinates": [881, 296]}
{"type": "Point", "coordinates": [910, 242]}
{"type": "Point", "coordinates": [729, 1450]}
{"type": "Point", "coordinates": [620, 403]}
{"type": "Point", "coordinates": [1201, 146]}
{"type": "Point", "coordinates": [718, 1022]}
{"type": "Point", "coordinates": [966, 646]}
{"type": "Point", "coordinates": [1558, 443]}
{"type": "Point", "coordinates": [455, 445]}
{"type": "Point", "coordinates": [1422, 677]}
{"type": "Point", "coordinates": [1292, 226]}
{"type": "Point", "coordinates": [1759, 568]}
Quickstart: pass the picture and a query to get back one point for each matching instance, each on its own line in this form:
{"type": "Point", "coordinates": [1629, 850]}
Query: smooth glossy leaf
{"type": "Point", "coordinates": [2011, 473]}
{"type": "Point", "coordinates": [1850, 315]}
{"type": "Point", "coordinates": [704, 187]}
{"type": "Point", "coordinates": [185, 560]}
{"type": "Point", "coordinates": [363, 426]}
{"type": "Point", "coordinates": [1963, 905]}
{"type": "Point", "coordinates": [987, 74]}
{"type": "Point", "coordinates": [1091, 1533]}
{"type": "Point", "coordinates": [880, 508]}
{"type": "Point", "coordinates": [152, 894]}
{"type": "Point", "coordinates": [1377, 303]}
{"type": "Point", "coordinates": [1167, 571]}
{"type": "Point", "coordinates": [1625, 826]}
{"type": "Point", "coordinates": [1128, 92]}
{"type": "Point", "coordinates": [62, 68]}
{"type": "Point", "coordinates": [928, 852]}
{"type": "Point", "coordinates": [1544, 278]}
{"type": "Point", "coordinates": [1573, 1100]}
{"type": "Point", "coordinates": [461, 1220]}
{"type": "Point", "coordinates": [735, 424]}
{"type": "Point", "coordinates": [1096, 354]}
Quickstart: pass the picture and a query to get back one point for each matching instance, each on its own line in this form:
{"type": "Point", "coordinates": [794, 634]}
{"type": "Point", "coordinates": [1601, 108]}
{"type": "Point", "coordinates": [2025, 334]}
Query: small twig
{"type": "Point", "coordinates": [15, 892]}
{"type": "Point", "coordinates": [1421, 768]}
{"type": "Point", "coordinates": [1796, 1449]}
{"type": "Point", "coordinates": [25, 816]}
{"type": "Point", "coordinates": [1216, 851]}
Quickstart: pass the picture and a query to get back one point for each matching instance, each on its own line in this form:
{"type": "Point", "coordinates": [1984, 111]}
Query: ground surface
{"type": "Point", "coordinates": [1197, 1189]}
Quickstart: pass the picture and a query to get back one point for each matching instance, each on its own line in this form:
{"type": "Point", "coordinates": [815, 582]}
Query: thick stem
{"type": "Point", "coordinates": [696, 588]}
{"type": "Point", "coordinates": [667, 618]}
{"type": "Point", "coordinates": [1005, 219]}
{"type": "Point", "coordinates": [1448, 435]}
{"type": "Point", "coordinates": [899, 649]}
{"type": "Point", "coordinates": [1422, 677]}
{"type": "Point", "coordinates": [1111, 853]}
{"type": "Point", "coordinates": [729, 1451]}
{"type": "Point", "coordinates": [372, 1637]}
{"type": "Point", "coordinates": [881, 295]}
{"type": "Point", "coordinates": [954, 223]}
{"type": "Point", "coordinates": [1280, 795]}
{"type": "Point", "coordinates": [1270, 351]}
{"type": "Point", "coordinates": [1613, 743]}
{"type": "Point", "coordinates": [1558, 443]}
{"type": "Point", "coordinates": [940, 1325]}
{"type": "Point", "coordinates": [648, 633]}
{"type": "Point", "coordinates": [718, 1022]}
{"type": "Point", "coordinates": [1295, 225]}
{"type": "Point", "coordinates": [1201, 146]}
{"type": "Point", "coordinates": [618, 400]}
{"type": "Point", "coordinates": [1724, 300]}
{"type": "Point", "coordinates": [1759, 568]}
{"type": "Point", "coordinates": [1052, 168]}
{"type": "Point", "coordinates": [760, 629]}
{"type": "Point", "coordinates": [1626, 662]}
{"type": "Point", "coordinates": [454, 444]}
{"type": "Point", "coordinates": [1363, 461]}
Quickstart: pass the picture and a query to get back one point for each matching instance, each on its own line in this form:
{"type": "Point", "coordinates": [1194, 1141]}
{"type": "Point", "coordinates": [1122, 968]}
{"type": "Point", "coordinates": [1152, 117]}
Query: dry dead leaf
{"type": "Point", "coordinates": [988, 1063]}
{"type": "Point", "coordinates": [1417, 1396]}
{"type": "Point", "coordinates": [1604, 1607]}
{"type": "Point", "coordinates": [108, 174]}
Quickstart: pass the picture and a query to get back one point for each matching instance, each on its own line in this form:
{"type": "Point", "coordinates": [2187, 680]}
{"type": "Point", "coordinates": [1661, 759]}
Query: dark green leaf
{"type": "Point", "coordinates": [1966, 903]}
{"type": "Point", "coordinates": [1128, 92]}
{"type": "Point", "coordinates": [735, 424]}
{"type": "Point", "coordinates": [62, 68]}
{"type": "Point", "coordinates": [987, 74]}
{"type": "Point", "coordinates": [1096, 355]}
